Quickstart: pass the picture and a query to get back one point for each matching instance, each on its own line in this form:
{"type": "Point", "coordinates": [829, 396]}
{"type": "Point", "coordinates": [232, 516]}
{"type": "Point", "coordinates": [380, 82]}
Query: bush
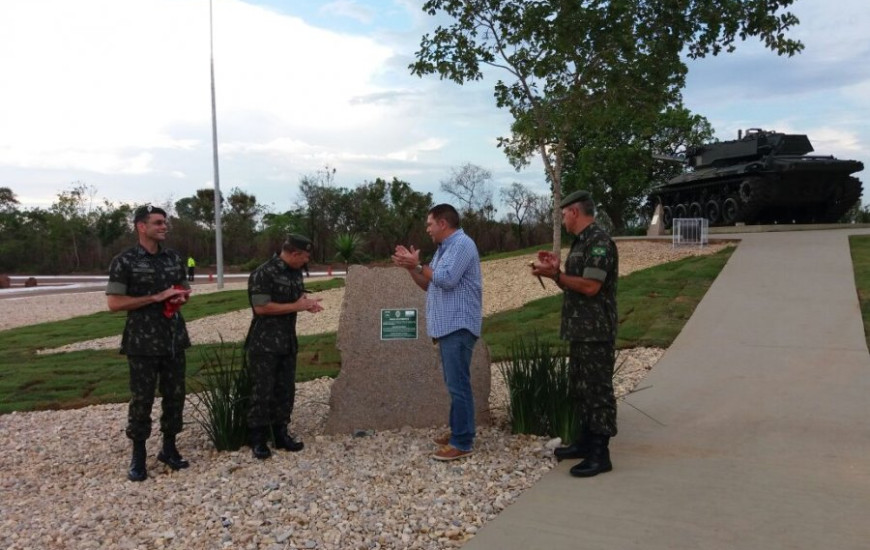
{"type": "Point", "coordinates": [250, 265]}
{"type": "Point", "coordinates": [539, 390]}
{"type": "Point", "coordinates": [224, 397]}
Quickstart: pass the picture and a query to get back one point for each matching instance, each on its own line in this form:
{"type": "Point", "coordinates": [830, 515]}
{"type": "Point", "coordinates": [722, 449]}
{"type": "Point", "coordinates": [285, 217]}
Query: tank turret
{"type": "Point", "coordinates": [761, 177]}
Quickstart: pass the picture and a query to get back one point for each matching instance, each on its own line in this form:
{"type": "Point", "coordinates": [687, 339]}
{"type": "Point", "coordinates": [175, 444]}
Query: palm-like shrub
{"type": "Point", "coordinates": [347, 247]}
{"type": "Point", "coordinates": [223, 397]}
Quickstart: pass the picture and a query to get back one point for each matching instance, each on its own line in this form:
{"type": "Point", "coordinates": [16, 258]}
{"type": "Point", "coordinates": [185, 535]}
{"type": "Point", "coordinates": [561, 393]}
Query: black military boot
{"type": "Point", "coordinates": [170, 455]}
{"type": "Point", "coordinates": [258, 443]}
{"type": "Point", "coordinates": [578, 449]}
{"type": "Point", "coordinates": [285, 441]}
{"type": "Point", "coordinates": [597, 460]}
{"type": "Point", "coordinates": [137, 471]}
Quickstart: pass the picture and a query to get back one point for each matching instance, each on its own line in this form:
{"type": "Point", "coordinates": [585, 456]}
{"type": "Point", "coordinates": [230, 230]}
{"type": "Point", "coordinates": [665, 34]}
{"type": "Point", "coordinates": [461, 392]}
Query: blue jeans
{"type": "Point", "coordinates": [456, 349]}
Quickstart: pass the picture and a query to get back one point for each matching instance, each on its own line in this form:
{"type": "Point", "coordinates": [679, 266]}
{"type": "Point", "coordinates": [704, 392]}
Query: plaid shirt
{"type": "Point", "coordinates": [454, 299]}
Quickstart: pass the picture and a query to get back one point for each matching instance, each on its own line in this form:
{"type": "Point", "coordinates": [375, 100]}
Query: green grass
{"type": "Point", "coordinates": [69, 380]}
{"type": "Point", "coordinates": [860, 248]}
{"type": "Point", "coordinates": [530, 251]}
{"type": "Point", "coordinates": [654, 304]}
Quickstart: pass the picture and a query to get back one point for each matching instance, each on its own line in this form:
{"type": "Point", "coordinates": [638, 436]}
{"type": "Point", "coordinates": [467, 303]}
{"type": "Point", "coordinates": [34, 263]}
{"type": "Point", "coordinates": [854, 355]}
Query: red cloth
{"type": "Point", "coordinates": [170, 308]}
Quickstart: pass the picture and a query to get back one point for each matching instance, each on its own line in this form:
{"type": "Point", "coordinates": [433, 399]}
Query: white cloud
{"type": "Point", "coordinates": [348, 8]}
{"type": "Point", "coordinates": [116, 93]}
{"type": "Point", "coordinates": [120, 75]}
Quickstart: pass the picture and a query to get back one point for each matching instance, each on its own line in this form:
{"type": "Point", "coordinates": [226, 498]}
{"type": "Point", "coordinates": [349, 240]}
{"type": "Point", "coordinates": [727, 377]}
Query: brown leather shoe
{"type": "Point", "coordinates": [449, 452]}
{"type": "Point", "coordinates": [442, 440]}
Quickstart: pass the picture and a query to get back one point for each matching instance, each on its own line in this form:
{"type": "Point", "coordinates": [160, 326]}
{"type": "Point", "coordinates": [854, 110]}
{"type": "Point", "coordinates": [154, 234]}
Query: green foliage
{"type": "Point", "coordinates": [539, 389]}
{"type": "Point", "coordinates": [565, 61]}
{"type": "Point", "coordinates": [75, 235]}
{"type": "Point", "coordinates": [857, 214]}
{"type": "Point", "coordinates": [251, 264]}
{"type": "Point", "coordinates": [66, 380]}
{"type": "Point", "coordinates": [347, 247]}
{"type": "Point", "coordinates": [612, 156]}
{"type": "Point", "coordinates": [276, 227]}
{"type": "Point", "coordinates": [859, 246]}
{"type": "Point", "coordinates": [223, 397]}
{"type": "Point", "coordinates": [8, 199]}
{"type": "Point", "coordinates": [382, 213]}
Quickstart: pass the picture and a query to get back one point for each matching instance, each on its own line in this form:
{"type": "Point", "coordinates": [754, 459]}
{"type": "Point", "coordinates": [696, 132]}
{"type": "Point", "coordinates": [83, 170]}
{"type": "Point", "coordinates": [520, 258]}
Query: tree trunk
{"type": "Point", "coordinates": [555, 174]}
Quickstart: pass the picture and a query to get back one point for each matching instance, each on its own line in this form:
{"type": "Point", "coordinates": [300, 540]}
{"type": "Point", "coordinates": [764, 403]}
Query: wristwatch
{"type": "Point", "coordinates": [419, 268]}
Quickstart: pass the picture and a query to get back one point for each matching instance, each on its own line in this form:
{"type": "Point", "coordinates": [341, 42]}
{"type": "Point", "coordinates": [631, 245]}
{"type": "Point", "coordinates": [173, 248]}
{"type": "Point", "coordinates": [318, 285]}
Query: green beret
{"type": "Point", "coordinates": [576, 196]}
{"type": "Point", "coordinates": [300, 242]}
{"type": "Point", "coordinates": [141, 214]}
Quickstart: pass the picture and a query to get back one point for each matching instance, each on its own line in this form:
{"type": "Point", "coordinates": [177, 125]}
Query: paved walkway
{"type": "Point", "coordinates": [764, 441]}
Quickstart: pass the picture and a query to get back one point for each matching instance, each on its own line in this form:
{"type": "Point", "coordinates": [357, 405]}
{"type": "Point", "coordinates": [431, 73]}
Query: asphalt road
{"type": "Point", "coordinates": [67, 284]}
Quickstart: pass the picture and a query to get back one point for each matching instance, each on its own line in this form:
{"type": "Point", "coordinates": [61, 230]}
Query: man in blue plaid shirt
{"type": "Point", "coordinates": [454, 314]}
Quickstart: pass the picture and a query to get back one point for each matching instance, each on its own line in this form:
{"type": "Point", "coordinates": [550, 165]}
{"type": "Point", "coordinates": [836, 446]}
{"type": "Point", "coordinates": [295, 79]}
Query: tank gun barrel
{"type": "Point", "coordinates": [681, 159]}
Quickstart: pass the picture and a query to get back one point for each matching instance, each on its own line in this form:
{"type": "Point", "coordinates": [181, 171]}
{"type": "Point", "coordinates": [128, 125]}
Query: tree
{"type": "Point", "coordinates": [409, 210]}
{"type": "Point", "coordinates": [71, 220]}
{"type": "Point", "coordinates": [199, 208]}
{"type": "Point", "coordinates": [567, 57]}
{"type": "Point", "coordinates": [239, 221]}
{"type": "Point", "coordinates": [13, 233]}
{"type": "Point", "coordinates": [520, 199]}
{"type": "Point", "coordinates": [385, 213]}
{"type": "Point", "coordinates": [8, 200]}
{"type": "Point", "coordinates": [278, 226]}
{"type": "Point", "coordinates": [612, 156]}
{"type": "Point", "coordinates": [328, 207]}
{"type": "Point", "coordinates": [471, 185]}
{"type": "Point", "coordinates": [111, 222]}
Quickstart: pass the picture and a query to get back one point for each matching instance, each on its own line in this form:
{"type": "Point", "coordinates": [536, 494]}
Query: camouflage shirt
{"type": "Point", "coordinates": [274, 281]}
{"type": "Point", "coordinates": [136, 272]}
{"type": "Point", "coordinates": [593, 255]}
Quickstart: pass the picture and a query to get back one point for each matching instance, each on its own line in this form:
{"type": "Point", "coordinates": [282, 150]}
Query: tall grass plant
{"type": "Point", "coordinates": [540, 397]}
{"type": "Point", "coordinates": [223, 397]}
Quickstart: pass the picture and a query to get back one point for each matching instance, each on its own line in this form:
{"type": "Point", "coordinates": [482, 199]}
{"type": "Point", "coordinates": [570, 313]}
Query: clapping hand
{"type": "Point", "coordinates": [311, 305]}
{"type": "Point", "coordinates": [405, 257]}
{"type": "Point", "coordinates": [547, 264]}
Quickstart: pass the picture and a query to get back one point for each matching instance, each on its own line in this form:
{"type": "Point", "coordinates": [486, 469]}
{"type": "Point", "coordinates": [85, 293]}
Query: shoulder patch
{"type": "Point", "coordinates": [598, 251]}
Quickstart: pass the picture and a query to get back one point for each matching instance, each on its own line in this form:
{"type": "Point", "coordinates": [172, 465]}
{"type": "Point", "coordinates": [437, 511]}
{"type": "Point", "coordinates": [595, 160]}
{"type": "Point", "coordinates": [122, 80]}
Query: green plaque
{"type": "Point", "coordinates": [399, 324]}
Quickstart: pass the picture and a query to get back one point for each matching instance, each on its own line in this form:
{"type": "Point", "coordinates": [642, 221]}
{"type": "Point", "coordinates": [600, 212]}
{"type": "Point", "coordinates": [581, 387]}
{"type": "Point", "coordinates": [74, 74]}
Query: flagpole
{"type": "Point", "coordinates": [219, 249]}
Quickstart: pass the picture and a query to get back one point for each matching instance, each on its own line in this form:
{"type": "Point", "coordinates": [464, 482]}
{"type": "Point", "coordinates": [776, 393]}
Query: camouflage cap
{"type": "Point", "coordinates": [141, 214]}
{"type": "Point", "coordinates": [576, 196]}
{"type": "Point", "coordinates": [299, 242]}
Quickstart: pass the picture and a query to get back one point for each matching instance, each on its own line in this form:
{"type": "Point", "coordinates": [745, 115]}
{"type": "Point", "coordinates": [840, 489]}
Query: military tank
{"type": "Point", "coordinates": [763, 177]}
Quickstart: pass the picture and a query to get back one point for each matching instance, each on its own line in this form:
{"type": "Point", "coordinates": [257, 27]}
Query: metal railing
{"type": "Point", "coordinates": [690, 231]}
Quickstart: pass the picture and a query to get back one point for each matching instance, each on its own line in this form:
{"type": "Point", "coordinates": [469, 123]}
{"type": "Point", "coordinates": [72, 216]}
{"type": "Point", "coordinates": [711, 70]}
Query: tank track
{"type": "Point", "coordinates": [750, 200]}
{"type": "Point", "coordinates": [844, 198]}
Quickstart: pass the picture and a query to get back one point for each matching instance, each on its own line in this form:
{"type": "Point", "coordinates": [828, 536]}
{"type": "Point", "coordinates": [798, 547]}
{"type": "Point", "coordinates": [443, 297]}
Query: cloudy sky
{"type": "Point", "coordinates": [115, 94]}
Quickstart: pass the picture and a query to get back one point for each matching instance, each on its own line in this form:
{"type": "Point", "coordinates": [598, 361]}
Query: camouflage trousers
{"type": "Point", "coordinates": [591, 370]}
{"type": "Point", "coordinates": [273, 388]}
{"type": "Point", "coordinates": [145, 371]}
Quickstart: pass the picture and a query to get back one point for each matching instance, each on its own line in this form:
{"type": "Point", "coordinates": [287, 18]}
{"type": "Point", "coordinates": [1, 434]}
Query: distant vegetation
{"type": "Point", "coordinates": [77, 234]}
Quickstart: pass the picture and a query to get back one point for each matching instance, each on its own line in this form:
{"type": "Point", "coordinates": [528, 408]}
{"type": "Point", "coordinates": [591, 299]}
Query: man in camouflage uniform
{"type": "Point", "coordinates": [589, 322]}
{"type": "Point", "coordinates": [276, 294]}
{"type": "Point", "coordinates": [148, 282]}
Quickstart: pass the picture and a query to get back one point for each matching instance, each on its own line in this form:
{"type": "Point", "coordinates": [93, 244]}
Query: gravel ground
{"type": "Point", "coordinates": [62, 473]}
